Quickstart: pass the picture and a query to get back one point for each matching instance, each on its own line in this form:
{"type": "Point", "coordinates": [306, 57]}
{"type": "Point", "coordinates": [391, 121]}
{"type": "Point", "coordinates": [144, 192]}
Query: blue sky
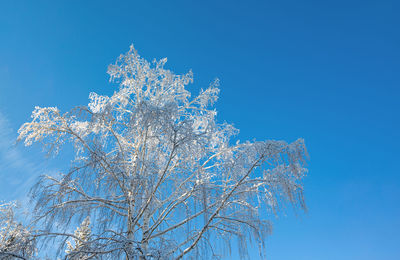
{"type": "Point", "coordinates": [327, 71]}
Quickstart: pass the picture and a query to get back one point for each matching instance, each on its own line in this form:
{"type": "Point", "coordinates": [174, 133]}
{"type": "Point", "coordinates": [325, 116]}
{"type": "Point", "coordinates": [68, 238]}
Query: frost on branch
{"type": "Point", "coordinates": [159, 176]}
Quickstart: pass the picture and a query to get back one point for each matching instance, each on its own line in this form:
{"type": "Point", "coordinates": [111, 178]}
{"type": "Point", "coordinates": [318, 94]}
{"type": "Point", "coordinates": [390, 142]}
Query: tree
{"type": "Point", "coordinates": [81, 242]}
{"type": "Point", "coordinates": [16, 241]}
{"type": "Point", "coordinates": [160, 177]}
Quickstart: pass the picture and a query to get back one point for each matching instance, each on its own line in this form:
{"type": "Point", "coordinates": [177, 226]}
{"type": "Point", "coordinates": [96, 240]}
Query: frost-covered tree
{"type": "Point", "coordinates": [16, 241]}
{"type": "Point", "coordinates": [81, 242]}
{"type": "Point", "coordinates": [159, 177]}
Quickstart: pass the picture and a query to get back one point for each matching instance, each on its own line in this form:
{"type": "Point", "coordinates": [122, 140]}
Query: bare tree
{"type": "Point", "coordinates": [157, 174]}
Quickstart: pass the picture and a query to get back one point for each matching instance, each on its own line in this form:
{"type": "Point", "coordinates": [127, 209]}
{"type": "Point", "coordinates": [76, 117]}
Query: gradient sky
{"type": "Point", "coordinates": [326, 71]}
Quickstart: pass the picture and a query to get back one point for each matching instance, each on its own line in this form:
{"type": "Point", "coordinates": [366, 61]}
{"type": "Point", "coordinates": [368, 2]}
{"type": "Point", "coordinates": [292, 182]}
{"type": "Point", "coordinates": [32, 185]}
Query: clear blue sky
{"type": "Point", "coordinates": [327, 71]}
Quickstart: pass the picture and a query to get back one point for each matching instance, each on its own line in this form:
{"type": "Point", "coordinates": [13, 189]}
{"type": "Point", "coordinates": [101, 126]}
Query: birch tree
{"type": "Point", "coordinates": [156, 173]}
